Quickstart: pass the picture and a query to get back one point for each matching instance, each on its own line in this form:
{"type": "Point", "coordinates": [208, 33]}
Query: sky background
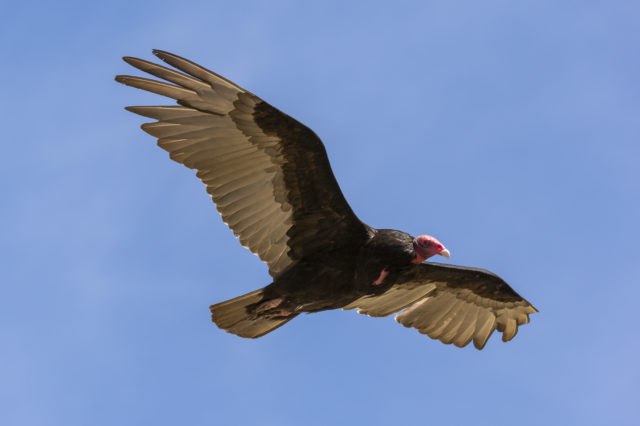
{"type": "Point", "coordinates": [508, 130]}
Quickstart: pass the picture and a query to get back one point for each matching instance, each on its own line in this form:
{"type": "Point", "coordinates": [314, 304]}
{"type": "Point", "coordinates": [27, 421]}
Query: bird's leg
{"type": "Point", "coordinates": [269, 304]}
{"type": "Point", "coordinates": [381, 277]}
{"type": "Point", "coordinates": [267, 309]}
{"type": "Point", "coordinates": [277, 313]}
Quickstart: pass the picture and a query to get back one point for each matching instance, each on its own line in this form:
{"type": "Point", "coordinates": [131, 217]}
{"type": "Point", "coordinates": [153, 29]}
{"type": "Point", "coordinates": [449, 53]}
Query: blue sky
{"type": "Point", "coordinates": [509, 131]}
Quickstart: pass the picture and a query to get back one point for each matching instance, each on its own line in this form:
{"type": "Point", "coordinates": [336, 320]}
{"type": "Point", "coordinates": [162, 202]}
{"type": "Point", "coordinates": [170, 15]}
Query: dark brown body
{"type": "Point", "coordinates": [333, 280]}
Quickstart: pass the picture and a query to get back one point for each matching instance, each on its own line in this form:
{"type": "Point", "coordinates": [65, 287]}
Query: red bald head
{"type": "Point", "coordinates": [427, 246]}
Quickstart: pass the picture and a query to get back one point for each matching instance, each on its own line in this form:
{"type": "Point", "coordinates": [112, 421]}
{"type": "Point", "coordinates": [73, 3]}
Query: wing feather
{"type": "Point", "coordinates": [467, 328]}
{"type": "Point", "coordinates": [157, 87]}
{"type": "Point", "coordinates": [268, 175]}
{"type": "Point", "coordinates": [450, 303]}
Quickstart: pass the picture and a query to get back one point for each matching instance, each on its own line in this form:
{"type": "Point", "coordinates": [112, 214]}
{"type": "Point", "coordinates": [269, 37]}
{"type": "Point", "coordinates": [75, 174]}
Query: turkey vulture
{"type": "Point", "coordinates": [270, 179]}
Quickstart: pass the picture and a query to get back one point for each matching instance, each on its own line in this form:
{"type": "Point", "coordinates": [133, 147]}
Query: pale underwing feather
{"type": "Point", "coordinates": [458, 305]}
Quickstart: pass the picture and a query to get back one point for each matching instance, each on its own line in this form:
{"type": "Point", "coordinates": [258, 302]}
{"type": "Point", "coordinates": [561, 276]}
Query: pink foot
{"type": "Point", "coordinates": [277, 313]}
{"type": "Point", "coordinates": [383, 275]}
{"type": "Point", "coordinates": [269, 304]}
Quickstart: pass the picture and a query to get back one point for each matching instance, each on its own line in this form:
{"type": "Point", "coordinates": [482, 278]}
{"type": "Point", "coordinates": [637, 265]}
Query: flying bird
{"type": "Point", "coordinates": [270, 179]}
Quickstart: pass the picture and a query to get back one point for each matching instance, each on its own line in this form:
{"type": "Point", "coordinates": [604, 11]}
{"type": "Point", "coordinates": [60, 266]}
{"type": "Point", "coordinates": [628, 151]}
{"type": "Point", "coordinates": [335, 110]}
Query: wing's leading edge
{"type": "Point", "coordinates": [453, 304]}
{"type": "Point", "coordinates": [268, 174]}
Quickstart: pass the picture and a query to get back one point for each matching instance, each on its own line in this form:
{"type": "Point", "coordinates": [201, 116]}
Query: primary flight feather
{"type": "Point", "coordinates": [270, 179]}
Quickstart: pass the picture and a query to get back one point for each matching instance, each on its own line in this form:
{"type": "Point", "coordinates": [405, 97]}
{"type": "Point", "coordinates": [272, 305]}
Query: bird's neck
{"type": "Point", "coordinates": [419, 258]}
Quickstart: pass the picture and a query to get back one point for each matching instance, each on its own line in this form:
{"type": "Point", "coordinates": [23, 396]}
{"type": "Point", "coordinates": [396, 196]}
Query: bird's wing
{"type": "Point", "coordinates": [453, 304]}
{"type": "Point", "coordinates": [268, 174]}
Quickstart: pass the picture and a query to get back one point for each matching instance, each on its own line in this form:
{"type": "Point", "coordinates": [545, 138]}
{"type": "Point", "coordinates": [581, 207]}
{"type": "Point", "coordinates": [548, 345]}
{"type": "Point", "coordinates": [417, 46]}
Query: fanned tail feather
{"type": "Point", "coordinates": [234, 317]}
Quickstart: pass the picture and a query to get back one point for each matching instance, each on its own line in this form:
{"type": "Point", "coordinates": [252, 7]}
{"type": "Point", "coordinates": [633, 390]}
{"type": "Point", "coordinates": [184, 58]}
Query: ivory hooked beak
{"type": "Point", "coordinates": [445, 253]}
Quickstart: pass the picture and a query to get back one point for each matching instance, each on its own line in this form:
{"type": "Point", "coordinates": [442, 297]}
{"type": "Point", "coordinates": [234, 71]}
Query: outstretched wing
{"type": "Point", "coordinates": [268, 174]}
{"type": "Point", "coordinates": [453, 304]}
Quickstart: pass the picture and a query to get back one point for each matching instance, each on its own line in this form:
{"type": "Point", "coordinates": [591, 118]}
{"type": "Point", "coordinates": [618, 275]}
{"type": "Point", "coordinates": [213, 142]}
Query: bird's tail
{"type": "Point", "coordinates": [233, 316]}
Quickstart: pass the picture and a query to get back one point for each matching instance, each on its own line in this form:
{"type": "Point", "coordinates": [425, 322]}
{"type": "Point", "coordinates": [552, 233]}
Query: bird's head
{"type": "Point", "coordinates": [427, 246]}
